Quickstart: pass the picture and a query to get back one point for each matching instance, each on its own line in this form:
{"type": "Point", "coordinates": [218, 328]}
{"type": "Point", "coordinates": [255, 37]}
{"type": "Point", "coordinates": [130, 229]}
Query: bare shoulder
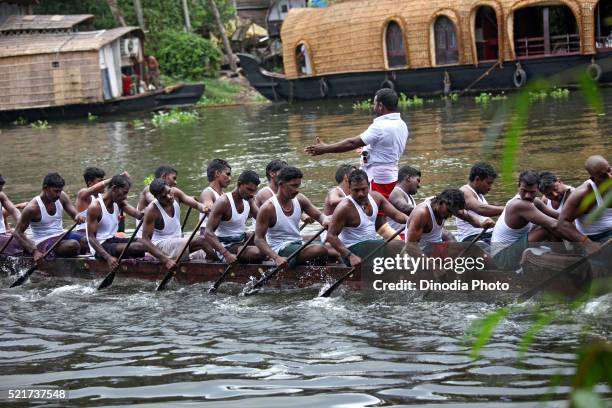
{"type": "Point", "coordinates": [378, 198]}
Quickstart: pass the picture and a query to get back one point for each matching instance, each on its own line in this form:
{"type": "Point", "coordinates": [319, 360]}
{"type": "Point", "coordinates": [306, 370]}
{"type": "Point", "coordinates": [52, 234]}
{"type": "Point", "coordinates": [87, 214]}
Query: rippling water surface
{"type": "Point", "coordinates": [131, 346]}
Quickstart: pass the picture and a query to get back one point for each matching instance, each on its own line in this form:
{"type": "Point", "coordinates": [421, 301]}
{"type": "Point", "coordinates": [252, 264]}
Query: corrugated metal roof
{"type": "Point", "coordinates": [32, 44]}
{"type": "Point", "coordinates": [43, 22]}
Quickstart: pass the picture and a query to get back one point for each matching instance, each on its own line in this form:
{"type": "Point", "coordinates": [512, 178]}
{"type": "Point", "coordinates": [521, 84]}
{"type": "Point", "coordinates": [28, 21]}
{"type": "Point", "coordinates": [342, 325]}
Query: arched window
{"type": "Point", "coordinates": [447, 51]}
{"type": "Point", "coordinates": [603, 26]}
{"type": "Point", "coordinates": [545, 30]}
{"type": "Point", "coordinates": [303, 61]}
{"type": "Point", "coordinates": [487, 44]}
{"type": "Point", "coordinates": [396, 49]}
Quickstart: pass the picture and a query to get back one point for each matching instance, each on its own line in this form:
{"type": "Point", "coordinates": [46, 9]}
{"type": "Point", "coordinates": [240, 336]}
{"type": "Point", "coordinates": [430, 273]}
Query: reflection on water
{"type": "Point", "coordinates": [129, 345]}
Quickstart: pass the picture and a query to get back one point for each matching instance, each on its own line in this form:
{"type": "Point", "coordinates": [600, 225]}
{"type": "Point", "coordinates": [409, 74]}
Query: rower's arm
{"type": "Point", "coordinates": [214, 219]}
{"type": "Point", "coordinates": [94, 214]}
{"type": "Point", "coordinates": [416, 225]}
{"type": "Point", "coordinates": [254, 208]}
{"type": "Point", "coordinates": [24, 222]}
{"type": "Point", "coordinates": [561, 229]}
{"type": "Point", "coordinates": [478, 223]}
{"type": "Point", "coordinates": [262, 223]}
{"type": "Point", "coordinates": [312, 211]}
{"type": "Point", "coordinates": [9, 206]}
{"type": "Point", "coordinates": [389, 210]}
{"type": "Point", "coordinates": [572, 207]}
{"type": "Point", "coordinates": [131, 211]}
{"type": "Point", "coordinates": [207, 200]}
{"type": "Point", "coordinates": [70, 209]}
{"type": "Point", "coordinates": [150, 215]}
{"type": "Point", "coordinates": [188, 200]}
{"type": "Point", "coordinates": [398, 200]}
{"type": "Point", "coordinates": [338, 220]}
{"type": "Point", "coordinates": [84, 193]}
{"type": "Point", "coordinates": [552, 213]}
{"type": "Point", "coordinates": [486, 210]}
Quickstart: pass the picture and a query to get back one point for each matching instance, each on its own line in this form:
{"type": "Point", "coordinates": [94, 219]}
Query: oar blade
{"type": "Point", "coordinates": [108, 280]}
{"type": "Point", "coordinates": [20, 281]}
{"type": "Point", "coordinates": [164, 283]}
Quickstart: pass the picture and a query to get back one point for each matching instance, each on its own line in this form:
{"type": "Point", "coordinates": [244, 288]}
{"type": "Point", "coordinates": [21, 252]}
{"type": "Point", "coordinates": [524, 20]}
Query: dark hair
{"type": "Point", "coordinates": [344, 170]}
{"type": "Point", "coordinates": [2, 182]}
{"type": "Point", "coordinates": [53, 180]}
{"type": "Point", "coordinates": [387, 97]}
{"type": "Point", "coordinates": [157, 187]}
{"type": "Point", "coordinates": [453, 197]}
{"type": "Point", "coordinates": [214, 166]}
{"type": "Point", "coordinates": [482, 170]}
{"type": "Point", "coordinates": [274, 166]}
{"type": "Point", "coordinates": [407, 171]}
{"type": "Point", "coordinates": [357, 175]}
{"type": "Point", "coordinates": [529, 178]}
{"type": "Point", "coordinates": [248, 177]}
{"type": "Point", "coordinates": [164, 169]}
{"type": "Point", "coordinates": [92, 173]}
{"type": "Point", "coordinates": [120, 181]}
{"type": "Point", "coordinates": [289, 173]}
{"type": "Point", "coordinates": [547, 180]}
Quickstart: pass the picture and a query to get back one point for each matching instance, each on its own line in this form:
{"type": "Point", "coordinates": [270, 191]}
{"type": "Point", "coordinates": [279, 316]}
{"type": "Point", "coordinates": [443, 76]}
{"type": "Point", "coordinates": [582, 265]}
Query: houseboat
{"type": "Point", "coordinates": [354, 47]}
{"type": "Point", "coordinates": [49, 69]}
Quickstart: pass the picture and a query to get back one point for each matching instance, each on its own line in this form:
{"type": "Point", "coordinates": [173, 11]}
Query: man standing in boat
{"type": "Point", "coordinates": [481, 179]}
{"type": "Point", "coordinates": [526, 219]}
{"type": "Point", "coordinates": [219, 174]}
{"type": "Point", "coordinates": [161, 229]}
{"type": "Point", "coordinates": [352, 230]}
{"type": "Point", "coordinates": [402, 196]}
{"type": "Point", "coordinates": [6, 204]}
{"type": "Point", "coordinates": [164, 172]}
{"type": "Point", "coordinates": [103, 222]}
{"type": "Point", "coordinates": [277, 233]}
{"type": "Point", "coordinates": [578, 207]}
{"type": "Point", "coordinates": [226, 229]}
{"type": "Point", "coordinates": [268, 191]}
{"type": "Point", "coordinates": [43, 215]}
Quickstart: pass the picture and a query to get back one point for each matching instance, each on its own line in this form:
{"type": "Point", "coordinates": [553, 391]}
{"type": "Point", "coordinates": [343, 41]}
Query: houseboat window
{"type": "Point", "coordinates": [487, 44]}
{"type": "Point", "coordinates": [303, 60]}
{"type": "Point", "coordinates": [445, 34]}
{"type": "Point", "coordinates": [603, 25]}
{"type": "Point", "coordinates": [545, 30]}
{"type": "Point", "coordinates": [396, 50]}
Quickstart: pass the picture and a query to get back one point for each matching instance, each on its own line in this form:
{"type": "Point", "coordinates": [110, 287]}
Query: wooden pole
{"type": "Point", "coordinates": [226, 44]}
{"type": "Point", "coordinates": [186, 14]}
{"type": "Point", "coordinates": [139, 14]}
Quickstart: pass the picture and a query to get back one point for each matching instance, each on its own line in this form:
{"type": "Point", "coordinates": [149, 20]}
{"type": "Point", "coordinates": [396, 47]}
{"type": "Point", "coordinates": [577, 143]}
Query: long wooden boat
{"type": "Point", "coordinates": [568, 285]}
{"type": "Point", "coordinates": [354, 47]}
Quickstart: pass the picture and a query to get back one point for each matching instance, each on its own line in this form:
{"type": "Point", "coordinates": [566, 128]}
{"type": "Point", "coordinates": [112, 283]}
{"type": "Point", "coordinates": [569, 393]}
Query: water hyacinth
{"type": "Point", "coordinates": [363, 105]}
{"type": "Point", "coordinates": [173, 117]}
{"type": "Point", "coordinates": [406, 102]}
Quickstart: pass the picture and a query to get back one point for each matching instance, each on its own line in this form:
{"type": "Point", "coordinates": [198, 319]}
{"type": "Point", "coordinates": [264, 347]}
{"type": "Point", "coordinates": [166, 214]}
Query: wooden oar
{"type": "Point", "coordinates": [350, 271]}
{"type": "Point", "coordinates": [185, 219]}
{"type": "Point", "coordinates": [24, 277]}
{"type": "Point", "coordinates": [472, 242]}
{"type": "Point", "coordinates": [272, 272]}
{"type": "Point", "coordinates": [6, 244]}
{"type": "Point", "coordinates": [528, 294]}
{"type": "Point", "coordinates": [162, 285]}
{"type": "Point", "coordinates": [219, 281]}
{"type": "Point", "coordinates": [108, 280]}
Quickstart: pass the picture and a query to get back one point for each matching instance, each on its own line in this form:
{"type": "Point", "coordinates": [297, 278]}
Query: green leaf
{"type": "Point", "coordinates": [590, 92]}
{"type": "Point", "coordinates": [543, 320]}
{"type": "Point", "coordinates": [586, 399]}
{"type": "Point", "coordinates": [483, 329]}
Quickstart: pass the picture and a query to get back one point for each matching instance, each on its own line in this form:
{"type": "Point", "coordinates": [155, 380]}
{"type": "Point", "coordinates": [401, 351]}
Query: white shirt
{"type": "Point", "coordinates": [385, 141]}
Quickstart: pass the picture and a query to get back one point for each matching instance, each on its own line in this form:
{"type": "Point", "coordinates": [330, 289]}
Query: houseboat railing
{"type": "Point", "coordinates": [536, 46]}
{"type": "Point", "coordinates": [603, 43]}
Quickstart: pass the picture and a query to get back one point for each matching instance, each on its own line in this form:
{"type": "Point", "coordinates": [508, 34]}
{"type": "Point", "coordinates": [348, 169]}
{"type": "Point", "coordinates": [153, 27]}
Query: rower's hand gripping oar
{"type": "Point", "coordinates": [333, 287]}
{"type": "Point", "coordinates": [528, 294]}
{"type": "Point", "coordinates": [219, 281]}
{"type": "Point", "coordinates": [108, 280]}
{"type": "Point", "coordinates": [472, 242]}
{"type": "Point", "coordinates": [24, 277]}
{"type": "Point", "coordinates": [272, 272]}
{"type": "Point", "coordinates": [162, 285]}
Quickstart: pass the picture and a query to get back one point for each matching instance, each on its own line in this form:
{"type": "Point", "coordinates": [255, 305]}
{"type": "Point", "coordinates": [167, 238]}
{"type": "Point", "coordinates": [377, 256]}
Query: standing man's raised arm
{"type": "Point", "coordinates": [342, 146]}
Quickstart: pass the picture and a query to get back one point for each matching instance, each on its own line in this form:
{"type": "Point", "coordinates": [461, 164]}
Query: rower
{"type": "Point", "coordinates": [554, 190]}
{"type": "Point", "coordinates": [103, 222]}
{"type": "Point", "coordinates": [43, 215]}
{"type": "Point", "coordinates": [337, 194]}
{"type": "Point", "coordinates": [402, 195]}
{"type": "Point", "coordinates": [226, 229]}
{"type": "Point", "coordinates": [6, 204]}
{"type": "Point", "coordinates": [268, 191]}
{"type": "Point", "coordinates": [526, 219]}
{"type": "Point", "coordinates": [481, 179]}
{"type": "Point", "coordinates": [598, 229]}
{"type": "Point", "coordinates": [277, 233]}
{"type": "Point", "coordinates": [162, 235]}
{"type": "Point", "coordinates": [164, 172]}
{"type": "Point", "coordinates": [219, 174]}
{"type": "Point", "coordinates": [352, 230]}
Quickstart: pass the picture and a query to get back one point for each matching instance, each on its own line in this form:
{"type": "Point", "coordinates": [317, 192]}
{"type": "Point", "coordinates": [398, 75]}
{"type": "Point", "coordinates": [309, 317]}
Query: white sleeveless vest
{"type": "Point", "coordinates": [172, 226]}
{"type": "Point", "coordinates": [108, 225]}
{"type": "Point", "coordinates": [217, 195]}
{"type": "Point", "coordinates": [2, 226]}
{"type": "Point", "coordinates": [366, 230]}
{"type": "Point", "coordinates": [504, 236]}
{"type": "Point", "coordinates": [433, 236]}
{"type": "Point", "coordinates": [394, 224]}
{"type": "Point", "coordinates": [49, 225]}
{"type": "Point", "coordinates": [236, 225]}
{"type": "Point", "coordinates": [324, 233]}
{"type": "Point", "coordinates": [603, 224]}
{"type": "Point", "coordinates": [286, 230]}
{"type": "Point", "coordinates": [464, 228]}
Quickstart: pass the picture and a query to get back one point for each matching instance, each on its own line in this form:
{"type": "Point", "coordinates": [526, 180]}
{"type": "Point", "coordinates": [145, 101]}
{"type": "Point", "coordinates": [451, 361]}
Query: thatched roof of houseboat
{"type": "Point", "coordinates": [34, 44]}
{"type": "Point", "coordinates": [348, 36]}
{"type": "Point", "coordinates": [43, 22]}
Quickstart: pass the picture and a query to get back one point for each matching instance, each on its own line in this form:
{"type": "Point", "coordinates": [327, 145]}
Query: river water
{"type": "Point", "coordinates": [131, 346]}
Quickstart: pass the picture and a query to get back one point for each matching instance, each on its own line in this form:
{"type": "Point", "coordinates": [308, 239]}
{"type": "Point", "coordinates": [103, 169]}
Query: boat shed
{"type": "Point", "coordinates": [45, 62]}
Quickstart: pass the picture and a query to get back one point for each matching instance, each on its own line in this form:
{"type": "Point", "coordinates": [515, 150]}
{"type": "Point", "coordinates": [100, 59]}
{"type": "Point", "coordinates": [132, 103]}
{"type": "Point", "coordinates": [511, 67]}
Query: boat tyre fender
{"type": "Point", "coordinates": [387, 83]}
{"type": "Point", "coordinates": [520, 77]}
{"type": "Point", "coordinates": [594, 71]}
{"type": "Point", "coordinates": [323, 88]}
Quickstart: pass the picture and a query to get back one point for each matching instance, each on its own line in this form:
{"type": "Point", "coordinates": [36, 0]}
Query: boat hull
{"type": "Point", "coordinates": [561, 71]}
{"type": "Point", "coordinates": [177, 96]}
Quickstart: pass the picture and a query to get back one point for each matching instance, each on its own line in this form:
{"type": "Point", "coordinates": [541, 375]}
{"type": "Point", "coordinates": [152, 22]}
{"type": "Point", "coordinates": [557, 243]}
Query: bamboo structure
{"type": "Point", "coordinates": [349, 36]}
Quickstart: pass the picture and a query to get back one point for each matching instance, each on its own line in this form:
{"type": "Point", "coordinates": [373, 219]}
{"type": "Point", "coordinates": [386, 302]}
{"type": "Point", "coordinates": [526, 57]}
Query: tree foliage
{"type": "Point", "coordinates": [186, 55]}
